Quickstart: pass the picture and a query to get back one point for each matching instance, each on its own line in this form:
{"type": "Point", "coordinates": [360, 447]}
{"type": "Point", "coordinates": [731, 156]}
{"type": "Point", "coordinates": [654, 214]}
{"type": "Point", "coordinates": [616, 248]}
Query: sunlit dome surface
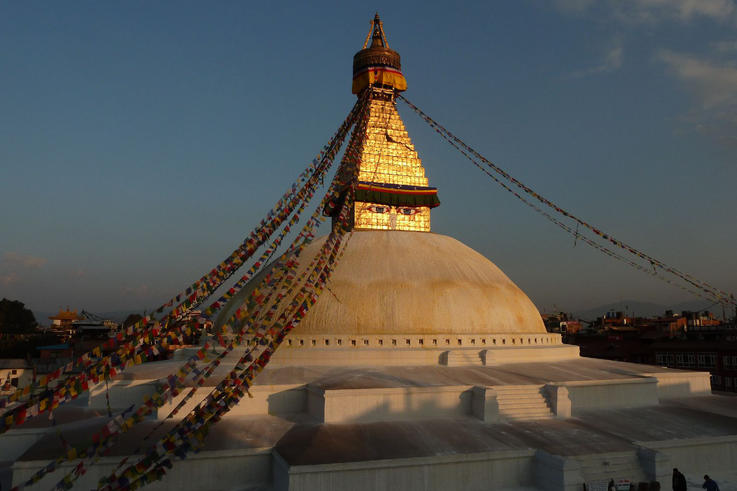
{"type": "Point", "coordinates": [416, 283]}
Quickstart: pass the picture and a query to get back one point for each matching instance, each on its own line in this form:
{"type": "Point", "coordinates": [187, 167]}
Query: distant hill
{"type": "Point", "coordinates": [643, 309]}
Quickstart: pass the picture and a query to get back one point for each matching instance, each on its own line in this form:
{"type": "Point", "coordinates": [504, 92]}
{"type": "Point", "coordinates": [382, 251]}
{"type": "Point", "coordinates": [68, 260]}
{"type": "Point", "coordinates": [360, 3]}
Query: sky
{"type": "Point", "coordinates": [140, 142]}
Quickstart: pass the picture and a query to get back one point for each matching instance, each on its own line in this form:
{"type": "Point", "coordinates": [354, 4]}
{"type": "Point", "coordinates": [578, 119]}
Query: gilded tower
{"type": "Point", "coordinates": [392, 191]}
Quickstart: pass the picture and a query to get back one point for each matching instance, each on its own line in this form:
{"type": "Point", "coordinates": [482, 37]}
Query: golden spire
{"type": "Point", "coordinates": [392, 192]}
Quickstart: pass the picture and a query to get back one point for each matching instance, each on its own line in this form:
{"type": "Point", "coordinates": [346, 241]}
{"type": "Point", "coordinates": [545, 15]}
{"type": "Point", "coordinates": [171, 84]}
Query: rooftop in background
{"type": "Point", "coordinates": [13, 363]}
{"type": "Point", "coordinates": [65, 316]}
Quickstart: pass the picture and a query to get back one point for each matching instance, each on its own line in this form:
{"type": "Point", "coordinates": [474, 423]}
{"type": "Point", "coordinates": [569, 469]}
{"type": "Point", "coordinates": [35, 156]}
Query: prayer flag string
{"type": "Point", "coordinates": [105, 366]}
{"type": "Point", "coordinates": [712, 292]}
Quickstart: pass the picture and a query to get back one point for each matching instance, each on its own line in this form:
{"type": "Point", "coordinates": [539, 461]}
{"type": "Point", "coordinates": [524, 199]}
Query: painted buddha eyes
{"type": "Point", "coordinates": [407, 211]}
{"type": "Point", "coordinates": [379, 208]}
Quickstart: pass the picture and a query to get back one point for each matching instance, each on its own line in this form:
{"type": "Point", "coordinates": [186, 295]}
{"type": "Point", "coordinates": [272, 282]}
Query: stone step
{"type": "Point", "coordinates": [522, 403]}
{"type": "Point", "coordinates": [517, 389]}
{"type": "Point", "coordinates": [527, 418]}
{"type": "Point", "coordinates": [526, 409]}
{"type": "Point", "coordinates": [514, 397]}
{"type": "Point", "coordinates": [526, 415]}
{"type": "Point", "coordinates": [531, 416]}
{"type": "Point", "coordinates": [520, 395]}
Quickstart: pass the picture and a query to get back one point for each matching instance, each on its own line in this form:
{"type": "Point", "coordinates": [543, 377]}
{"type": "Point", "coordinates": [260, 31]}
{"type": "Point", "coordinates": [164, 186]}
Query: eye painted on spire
{"type": "Point", "coordinates": [379, 208]}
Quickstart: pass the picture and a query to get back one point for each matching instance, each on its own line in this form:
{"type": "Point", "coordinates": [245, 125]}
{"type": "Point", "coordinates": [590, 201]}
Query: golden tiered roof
{"type": "Point", "coordinates": [66, 315]}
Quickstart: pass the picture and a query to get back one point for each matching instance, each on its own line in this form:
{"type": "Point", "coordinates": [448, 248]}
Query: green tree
{"type": "Point", "coordinates": [131, 319]}
{"type": "Point", "coordinates": [15, 317]}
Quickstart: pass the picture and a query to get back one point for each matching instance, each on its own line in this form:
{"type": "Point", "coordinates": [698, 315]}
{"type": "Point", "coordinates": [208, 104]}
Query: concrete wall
{"type": "Point", "coordinates": [471, 472]}
{"type": "Point", "coordinates": [570, 473]}
{"type": "Point", "coordinates": [277, 400]}
{"type": "Point", "coordinates": [695, 457]}
{"type": "Point", "coordinates": [609, 394]}
{"type": "Point", "coordinates": [15, 442]}
{"type": "Point", "coordinates": [122, 393]}
{"type": "Point", "coordinates": [683, 384]}
{"type": "Point", "coordinates": [386, 404]}
{"type": "Point", "coordinates": [215, 470]}
{"type": "Point", "coordinates": [556, 473]}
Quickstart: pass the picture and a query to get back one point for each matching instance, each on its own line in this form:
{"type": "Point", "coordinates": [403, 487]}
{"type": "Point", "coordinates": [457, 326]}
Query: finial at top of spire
{"type": "Point", "coordinates": [376, 34]}
{"type": "Point", "coordinates": [377, 64]}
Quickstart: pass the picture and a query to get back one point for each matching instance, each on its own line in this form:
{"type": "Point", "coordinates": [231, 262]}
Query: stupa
{"type": "Point", "coordinates": [423, 366]}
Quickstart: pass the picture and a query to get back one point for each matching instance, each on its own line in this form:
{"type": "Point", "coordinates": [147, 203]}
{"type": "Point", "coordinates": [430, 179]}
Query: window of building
{"type": "Point", "coordinates": [680, 359]}
{"type": "Point", "coordinates": [702, 359]}
{"type": "Point", "coordinates": [691, 359]}
{"type": "Point", "coordinates": [728, 381]}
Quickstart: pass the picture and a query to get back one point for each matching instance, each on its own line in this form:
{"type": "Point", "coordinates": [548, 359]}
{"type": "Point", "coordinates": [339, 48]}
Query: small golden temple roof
{"type": "Point", "coordinates": [66, 315]}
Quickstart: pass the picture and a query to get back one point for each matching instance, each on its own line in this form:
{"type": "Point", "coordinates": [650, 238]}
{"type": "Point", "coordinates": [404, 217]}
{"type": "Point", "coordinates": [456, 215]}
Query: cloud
{"type": "Point", "coordinates": [23, 260]}
{"type": "Point", "coordinates": [611, 62]}
{"type": "Point", "coordinates": [575, 6]}
{"type": "Point", "coordinates": [713, 84]}
{"type": "Point", "coordinates": [654, 11]}
{"type": "Point", "coordinates": [9, 279]}
{"type": "Point", "coordinates": [725, 47]}
{"type": "Point", "coordinates": [688, 9]}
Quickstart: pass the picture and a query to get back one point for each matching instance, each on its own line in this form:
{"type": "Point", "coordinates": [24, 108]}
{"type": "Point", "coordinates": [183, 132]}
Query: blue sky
{"type": "Point", "coordinates": [141, 141]}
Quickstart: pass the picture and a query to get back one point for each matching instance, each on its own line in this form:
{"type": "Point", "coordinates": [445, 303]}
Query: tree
{"type": "Point", "coordinates": [15, 317]}
{"type": "Point", "coordinates": [131, 319]}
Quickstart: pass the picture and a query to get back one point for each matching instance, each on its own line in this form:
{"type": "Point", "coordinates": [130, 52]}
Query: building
{"type": "Point", "coordinates": [63, 322]}
{"type": "Point", "coordinates": [712, 349]}
{"type": "Point", "coordinates": [14, 373]}
{"type": "Point", "coordinates": [686, 341]}
{"type": "Point", "coordinates": [424, 367]}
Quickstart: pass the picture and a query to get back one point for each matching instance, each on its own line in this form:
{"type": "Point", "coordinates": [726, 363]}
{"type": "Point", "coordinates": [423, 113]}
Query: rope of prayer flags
{"type": "Point", "coordinates": [199, 382]}
{"type": "Point", "coordinates": [207, 372]}
{"type": "Point", "coordinates": [21, 413]}
{"type": "Point", "coordinates": [178, 442]}
{"type": "Point", "coordinates": [576, 234]}
{"type": "Point", "coordinates": [104, 438]}
{"type": "Point", "coordinates": [718, 294]}
{"type": "Point", "coordinates": [104, 441]}
{"type": "Point", "coordinates": [166, 443]}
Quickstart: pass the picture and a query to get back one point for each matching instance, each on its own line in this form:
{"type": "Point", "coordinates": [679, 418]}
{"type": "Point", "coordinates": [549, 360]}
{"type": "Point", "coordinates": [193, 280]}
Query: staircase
{"type": "Point", "coordinates": [522, 402]}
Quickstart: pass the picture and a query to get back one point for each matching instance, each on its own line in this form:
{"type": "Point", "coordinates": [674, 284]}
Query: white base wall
{"type": "Point", "coordinates": [470, 472]}
{"type": "Point", "coordinates": [222, 470]}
